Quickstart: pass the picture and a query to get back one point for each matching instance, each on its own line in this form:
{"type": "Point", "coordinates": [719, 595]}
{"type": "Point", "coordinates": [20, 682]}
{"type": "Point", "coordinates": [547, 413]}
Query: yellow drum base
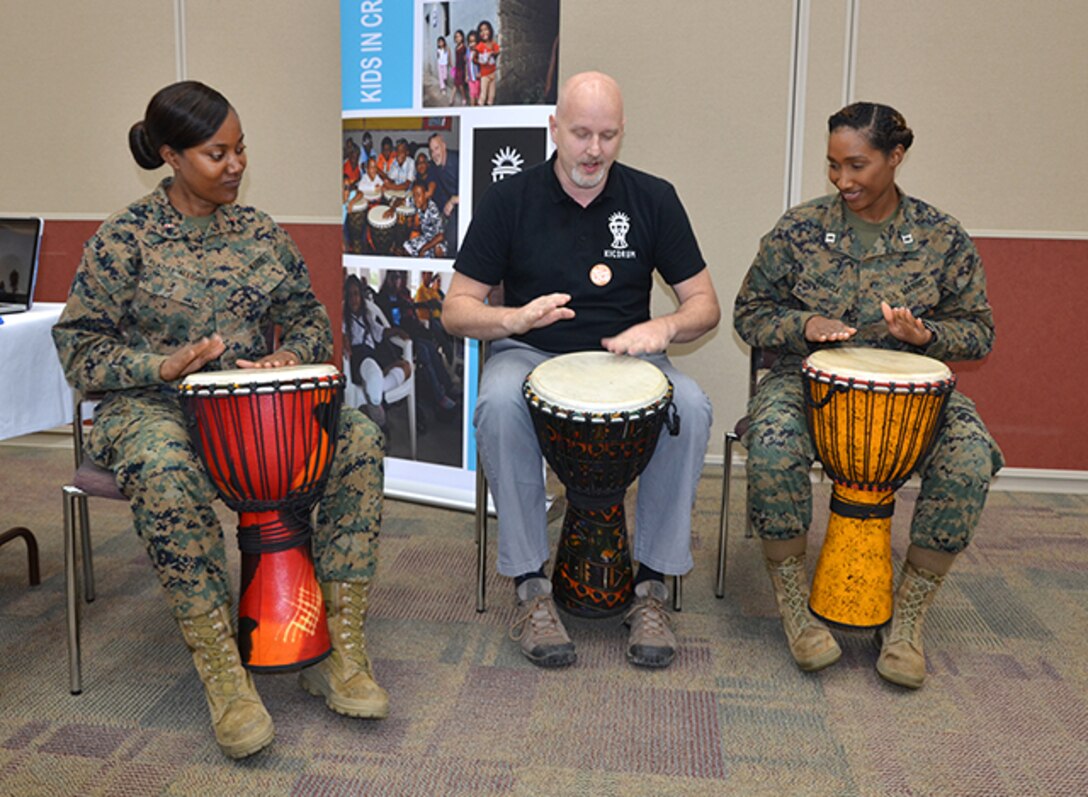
{"type": "Point", "coordinates": [852, 585]}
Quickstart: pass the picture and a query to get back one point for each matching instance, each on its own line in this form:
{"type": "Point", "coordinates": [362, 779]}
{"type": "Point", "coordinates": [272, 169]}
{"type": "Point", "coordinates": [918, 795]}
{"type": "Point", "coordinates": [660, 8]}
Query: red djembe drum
{"type": "Point", "coordinates": [267, 438]}
{"type": "Point", "coordinates": [873, 415]}
{"type": "Point", "coordinates": [597, 417]}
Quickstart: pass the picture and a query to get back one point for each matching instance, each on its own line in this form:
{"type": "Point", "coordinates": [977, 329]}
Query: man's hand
{"type": "Point", "coordinates": [649, 337]}
{"type": "Point", "coordinates": [540, 312]}
{"type": "Point", "coordinates": [191, 357]}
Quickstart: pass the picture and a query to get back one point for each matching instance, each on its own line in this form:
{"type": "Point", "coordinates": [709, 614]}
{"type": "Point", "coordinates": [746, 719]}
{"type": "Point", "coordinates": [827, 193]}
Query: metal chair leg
{"type": "Point", "coordinates": [723, 525]}
{"type": "Point", "coordinates": [481, 537]}
{"type": "Point", "coordinates": [84, 528]}
{"type": "Point", "coordinates": [677, 592]}
{"type": "Point", "coordinates": [72, 496]}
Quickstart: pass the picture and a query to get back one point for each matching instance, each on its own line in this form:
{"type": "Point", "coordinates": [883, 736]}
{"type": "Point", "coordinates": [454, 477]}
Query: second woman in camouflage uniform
{"type": "Point", "coordinates": [185, 280]}
{"type": "Point", "coordinates": [877, 268]}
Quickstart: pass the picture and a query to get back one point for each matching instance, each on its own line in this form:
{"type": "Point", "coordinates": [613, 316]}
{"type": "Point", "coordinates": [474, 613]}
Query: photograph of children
{"type": "Point", "coordinates": [490, 52]}
{"type": "Point", "coordinates": [403, 370]}
{"type": "Point", "coordinates": [400, 186]}
{"type": "Point", "coordinates": [499, 152]}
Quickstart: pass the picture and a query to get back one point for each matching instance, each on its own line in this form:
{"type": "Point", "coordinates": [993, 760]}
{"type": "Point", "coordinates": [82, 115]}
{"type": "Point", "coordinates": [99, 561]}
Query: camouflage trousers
{"type": "Point", "coordinates": [143, 439]}
{"type": "Point", "coordinates": [955, 475]}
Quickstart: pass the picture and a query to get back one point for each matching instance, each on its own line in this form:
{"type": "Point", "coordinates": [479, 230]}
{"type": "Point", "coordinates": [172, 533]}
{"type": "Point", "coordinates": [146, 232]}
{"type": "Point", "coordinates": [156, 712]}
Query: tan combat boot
{"type": "Point", "coordinates": [241, 723]}
{"type": "Point", "coordinates": [345, 678]}
{"type": "Point", "coordinates": [902, 659]}
{"type": "Point", "coordinates": [810, 642]}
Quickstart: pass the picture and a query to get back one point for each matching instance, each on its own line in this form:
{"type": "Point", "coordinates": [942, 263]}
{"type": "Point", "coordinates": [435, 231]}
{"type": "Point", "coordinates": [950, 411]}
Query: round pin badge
{"type": "Point", "coordinates": [600, 275]}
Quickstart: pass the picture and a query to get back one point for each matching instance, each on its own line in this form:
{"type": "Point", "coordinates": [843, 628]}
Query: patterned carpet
{"type": "Point", "coordinates": [1004, 712]}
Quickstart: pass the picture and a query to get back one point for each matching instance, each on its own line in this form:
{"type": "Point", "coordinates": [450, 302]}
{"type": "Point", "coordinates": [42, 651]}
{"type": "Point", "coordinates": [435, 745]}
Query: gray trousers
{"type": "Point", "coordinates": [512, 461]}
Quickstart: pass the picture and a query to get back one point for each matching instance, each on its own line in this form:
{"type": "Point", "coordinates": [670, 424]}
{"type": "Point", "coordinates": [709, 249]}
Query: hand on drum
{"type": "Point", "coordinates": [819, 329]}
{"type": "Point", "coordinates": [649, 337]}
{"type": "Point", "coordinates": [904, 326]}
{"type": "Point", "coordinates": [277, 359]}
{"type": "Point", "coordinates": [191, 357]}
{"type": "Point", "coordinates": [540, 312]}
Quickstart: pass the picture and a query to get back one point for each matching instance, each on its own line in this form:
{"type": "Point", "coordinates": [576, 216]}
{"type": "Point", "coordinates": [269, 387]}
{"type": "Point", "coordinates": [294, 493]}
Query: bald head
{"type": "Point", "coordinates": [592, 90]}
{"type": "Point", "coordinates": [587, 129]}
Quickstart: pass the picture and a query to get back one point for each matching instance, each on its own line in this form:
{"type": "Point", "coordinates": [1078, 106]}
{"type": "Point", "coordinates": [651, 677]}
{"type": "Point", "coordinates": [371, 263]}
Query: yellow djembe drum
{"type": "Point", "coordinates": [873, 415]}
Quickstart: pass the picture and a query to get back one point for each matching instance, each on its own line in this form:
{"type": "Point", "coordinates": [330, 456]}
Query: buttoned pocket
{"type": "Point", "coordinates": [251, 286]}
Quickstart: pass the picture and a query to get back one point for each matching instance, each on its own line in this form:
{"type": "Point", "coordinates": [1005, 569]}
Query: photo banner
{"type": "Point", "coordinates": [438, 103]}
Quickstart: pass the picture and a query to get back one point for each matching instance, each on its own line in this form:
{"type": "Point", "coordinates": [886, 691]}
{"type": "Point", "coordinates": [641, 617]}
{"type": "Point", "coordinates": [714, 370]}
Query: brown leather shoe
{"type": "Point", "coordinates": [810, 641]}
{"type": "Point", "coordinates": [651, 642]}
{"type": "Point", "coordinates": [538, 629]}
{"type": "Point", "coordinates": [242, 725]}
{"type": "Point", "coordinates": [345, 679]}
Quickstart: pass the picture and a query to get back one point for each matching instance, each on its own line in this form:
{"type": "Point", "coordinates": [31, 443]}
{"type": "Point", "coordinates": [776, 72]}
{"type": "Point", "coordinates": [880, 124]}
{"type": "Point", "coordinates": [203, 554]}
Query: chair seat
{"type": "Point", "coordinates": [97, 482]}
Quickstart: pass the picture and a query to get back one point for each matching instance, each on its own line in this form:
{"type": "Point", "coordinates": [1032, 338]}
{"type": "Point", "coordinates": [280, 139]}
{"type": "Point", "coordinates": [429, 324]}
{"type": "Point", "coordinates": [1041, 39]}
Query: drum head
{"type": "Point", "coordinates": [592, 381]}
{"type": "Point", "coordinates": [256, 377]}
{"type": "Point", "coordinates": [877, 365]}
{"type": "Point", "coordinates": [376, 217]}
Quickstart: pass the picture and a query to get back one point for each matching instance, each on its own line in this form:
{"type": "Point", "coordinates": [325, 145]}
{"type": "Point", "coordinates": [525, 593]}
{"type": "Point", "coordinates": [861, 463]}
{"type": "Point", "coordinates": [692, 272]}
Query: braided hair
{"type": "Point", "coordinates": [883, 126]}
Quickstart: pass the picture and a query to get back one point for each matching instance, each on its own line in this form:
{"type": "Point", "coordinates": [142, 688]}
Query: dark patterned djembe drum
{"type": "Point", "coordinates": [597, 417]}
{"type": "Point", "coordinates": [267, 438]}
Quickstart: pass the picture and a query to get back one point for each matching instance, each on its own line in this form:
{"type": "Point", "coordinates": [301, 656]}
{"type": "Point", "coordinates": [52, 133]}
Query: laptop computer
{"type": "Point", "coordinates": [20, 244]}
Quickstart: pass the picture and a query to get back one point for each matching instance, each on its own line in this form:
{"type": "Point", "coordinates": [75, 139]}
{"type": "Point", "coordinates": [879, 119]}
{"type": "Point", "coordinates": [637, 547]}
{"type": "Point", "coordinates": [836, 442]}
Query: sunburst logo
{"type": "Point", "coordinates": [507, 162]}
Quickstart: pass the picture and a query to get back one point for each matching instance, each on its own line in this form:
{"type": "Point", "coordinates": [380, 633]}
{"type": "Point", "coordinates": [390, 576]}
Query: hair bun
{"type": "Point", "coordinates": [146, 155]}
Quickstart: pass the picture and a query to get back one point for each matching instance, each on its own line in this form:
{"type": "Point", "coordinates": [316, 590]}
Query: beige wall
{"type": "Point", "coordinates": [996, 91]}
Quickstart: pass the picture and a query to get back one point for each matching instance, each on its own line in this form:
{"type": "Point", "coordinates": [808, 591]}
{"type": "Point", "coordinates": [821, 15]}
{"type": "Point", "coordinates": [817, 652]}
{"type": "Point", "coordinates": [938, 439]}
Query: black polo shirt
{"type": "Point", "coordinates": [528, 234]}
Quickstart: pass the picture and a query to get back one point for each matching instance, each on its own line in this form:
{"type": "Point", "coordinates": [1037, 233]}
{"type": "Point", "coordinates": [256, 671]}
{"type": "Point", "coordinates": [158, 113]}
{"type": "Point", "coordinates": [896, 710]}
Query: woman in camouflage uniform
{"type": "Point", "coordinates": [877, 268]}
{"type": "Point", "coordinates": [186, 280]}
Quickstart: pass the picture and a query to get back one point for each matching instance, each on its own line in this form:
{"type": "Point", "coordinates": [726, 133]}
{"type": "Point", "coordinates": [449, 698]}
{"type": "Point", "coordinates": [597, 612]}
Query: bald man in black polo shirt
{"type": "Point", "coordinates": [574, 243]}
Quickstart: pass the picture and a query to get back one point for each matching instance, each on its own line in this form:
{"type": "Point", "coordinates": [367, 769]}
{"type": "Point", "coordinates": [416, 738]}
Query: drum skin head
{"type": "Point", "coordinates": [878, 365]}
{"type": "Point", "coordinates": [597, 381]}
{"type": "Point", "coordinates": [255, 376]}
{"type": "Point", "coordinates": [376, 217]}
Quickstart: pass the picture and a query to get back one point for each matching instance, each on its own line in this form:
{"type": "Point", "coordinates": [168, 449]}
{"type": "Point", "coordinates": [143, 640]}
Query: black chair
{"type": "Point", "coordinates": [759, 361]}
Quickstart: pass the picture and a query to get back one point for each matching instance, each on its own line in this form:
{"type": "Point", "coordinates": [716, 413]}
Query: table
{"type": "Point", "coordinates": [34, 394]}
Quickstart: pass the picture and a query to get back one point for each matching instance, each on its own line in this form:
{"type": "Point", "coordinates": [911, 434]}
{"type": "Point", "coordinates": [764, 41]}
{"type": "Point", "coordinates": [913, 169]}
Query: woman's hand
{"type": "Point", "coordinates": [191, 357]}
{"type": "Point", "coordinates": [277, 359]}
{"type": "Point", "coordinates": [819, 329]}
{"type": "Point", "coordinates": [902, 325]}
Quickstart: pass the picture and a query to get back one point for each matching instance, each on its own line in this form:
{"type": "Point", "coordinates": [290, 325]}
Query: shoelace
{"type": "Point", "coordinates": [219, 662]}
{"type": "Point", "coordinates": [909, 609]}
{"type": "Point", "coordinates": [349, 622]}
{"type": "Point", "coordinates": [649, 612]}
{"type": "Point", "coordinates": [539, 615]}
{"type": "Point", "coordinates": [795, 596]}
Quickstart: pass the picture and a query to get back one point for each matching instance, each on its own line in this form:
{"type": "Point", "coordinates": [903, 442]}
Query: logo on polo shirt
{"type": "Point", "coordinates": [619, 224]}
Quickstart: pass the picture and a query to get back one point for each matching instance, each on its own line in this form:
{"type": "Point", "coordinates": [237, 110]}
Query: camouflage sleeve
{"type": "Point", "coordinates": [88, 337]}
{"type": "Point", "coordinates": [304, 322]}
{"type": "Point", "coordinates": [963, 321]}
{"type": "Point", "coordinates": [765, 312]}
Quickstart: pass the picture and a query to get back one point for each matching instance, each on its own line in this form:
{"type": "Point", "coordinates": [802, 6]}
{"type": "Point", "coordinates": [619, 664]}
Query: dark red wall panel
{"type": "Point", "coordinates": [1031, 390]}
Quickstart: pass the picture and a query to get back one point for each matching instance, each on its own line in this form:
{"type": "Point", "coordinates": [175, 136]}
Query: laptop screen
{"type": "Point", "coordinates": [20, 241]}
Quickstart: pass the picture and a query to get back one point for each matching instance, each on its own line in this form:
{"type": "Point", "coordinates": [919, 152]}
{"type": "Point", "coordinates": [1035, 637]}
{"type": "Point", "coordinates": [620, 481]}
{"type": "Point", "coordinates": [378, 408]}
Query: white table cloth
{"type": "Point", "coordinates": [34, 395]}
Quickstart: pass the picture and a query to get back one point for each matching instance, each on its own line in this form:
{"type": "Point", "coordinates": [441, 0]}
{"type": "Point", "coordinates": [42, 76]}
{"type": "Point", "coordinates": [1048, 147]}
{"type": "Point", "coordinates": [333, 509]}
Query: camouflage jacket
{"type": "Point", "coordinates": [148, 283]}
{"type": "Point", "coordinates": [811, 263]}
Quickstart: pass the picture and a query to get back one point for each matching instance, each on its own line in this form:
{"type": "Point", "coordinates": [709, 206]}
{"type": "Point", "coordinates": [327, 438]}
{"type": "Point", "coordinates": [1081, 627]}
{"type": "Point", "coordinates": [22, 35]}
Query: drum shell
{"type": "Point", "coordinates": [596, 455]}
{"type": "Point", "coordinates": [867, 436]}
{"type": "Point", "coordinates": [267, 443]}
